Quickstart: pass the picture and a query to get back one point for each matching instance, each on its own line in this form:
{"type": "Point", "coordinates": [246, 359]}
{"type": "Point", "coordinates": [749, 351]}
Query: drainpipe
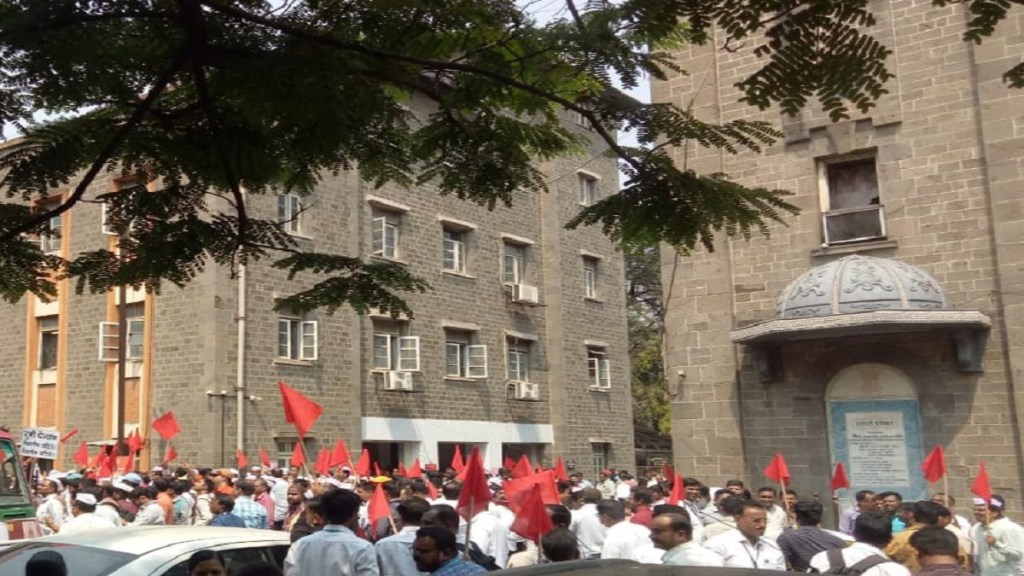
{"type": "Point", "coordinates": [240, 359]}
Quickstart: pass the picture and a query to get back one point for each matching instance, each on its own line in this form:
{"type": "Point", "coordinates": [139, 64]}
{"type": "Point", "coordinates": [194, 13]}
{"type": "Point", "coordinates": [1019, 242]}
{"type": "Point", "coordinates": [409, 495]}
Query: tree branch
{"type": "Point", "coordinates": [433, 65]}
{"type": "Point", "coordinates": [105, 155]}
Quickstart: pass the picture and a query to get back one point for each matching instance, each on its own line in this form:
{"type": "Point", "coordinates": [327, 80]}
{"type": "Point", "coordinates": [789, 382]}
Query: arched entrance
{"type": "Point", "coordinates": [875, 429]}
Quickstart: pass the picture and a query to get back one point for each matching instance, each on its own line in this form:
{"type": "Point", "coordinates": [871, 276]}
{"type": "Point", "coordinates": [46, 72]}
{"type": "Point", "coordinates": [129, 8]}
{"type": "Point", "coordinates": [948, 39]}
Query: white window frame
{"type": "Point", "coordinates": [289, 213]}
{"type": "Point", "coordinates": [403, 352]}
{"type": "Point", "coordinates": [587, 190]}
{"type": "Point", "coordinates": [302, 339]}
{"type": "Point", "coordinates": [49, 242]}
{"type": "Point", "coordinates": [514, 273]}
{"type": "Point", "coordinates": [453, 257]}
{"type": "Point", "coordinates": [470, 359]}
{"type": "Point", "coordinates": [599, 370]}
{"type": "Point", "coordinates": [590, 277]}
{"type": "Point", "coordinates": [599, 455]}
{"type": "Point", "coordinates": [382, 226]}
{"type": "Point", "coordinates": [104, 227]}
{"type": "Point", "coordinates": [521, 352]}
{"type": "Point", "coordinates": [825, 197]}
{"type": "Point", "coordinates": [108, 342]}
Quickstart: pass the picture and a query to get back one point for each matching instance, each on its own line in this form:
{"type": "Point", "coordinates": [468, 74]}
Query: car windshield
{"type": "Point", "coordinates": [12, 480]}
{"type": "Point", "coordinates": [83, 560]}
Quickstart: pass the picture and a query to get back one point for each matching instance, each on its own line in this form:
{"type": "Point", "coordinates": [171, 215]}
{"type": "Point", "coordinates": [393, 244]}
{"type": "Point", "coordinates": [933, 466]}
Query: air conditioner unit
{"type": "Point", "coordinates": [526, 391]}
{"type": "Point", "coordinates": [854, 224]}
{"type": "Point", "coordinates": [525, 293]}
{"type": "Point", "coordinates": [397, 380]}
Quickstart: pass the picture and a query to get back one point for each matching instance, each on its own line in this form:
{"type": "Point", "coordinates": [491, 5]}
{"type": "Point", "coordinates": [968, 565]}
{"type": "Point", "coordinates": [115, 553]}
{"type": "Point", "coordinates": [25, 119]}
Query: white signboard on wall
{"type": "Point", "coordinates": [40, 443]}
{"type": "Point", "coordinates": [877, 444]}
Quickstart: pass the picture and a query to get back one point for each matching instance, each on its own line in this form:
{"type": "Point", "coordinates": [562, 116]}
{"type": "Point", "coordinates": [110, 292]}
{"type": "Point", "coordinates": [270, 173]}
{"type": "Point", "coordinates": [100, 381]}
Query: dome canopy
{"type": "Point", "coordinates": [859, 284]}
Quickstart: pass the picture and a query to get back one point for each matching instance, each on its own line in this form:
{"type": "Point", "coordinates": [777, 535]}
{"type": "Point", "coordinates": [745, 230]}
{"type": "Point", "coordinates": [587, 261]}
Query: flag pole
{"type": "Point", "coordinates": [469, 526]}
{"type": "Point", "coordinates": [540, 548]}
{"type": "Point", "coordinates": [835, 508]}
{"type": "Point", "coordinates": [305, 457]}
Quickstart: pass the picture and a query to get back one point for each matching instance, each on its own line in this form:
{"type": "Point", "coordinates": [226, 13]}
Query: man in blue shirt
{"type": "Point", "coordinates": [221, 506]}
{"type": "Point", "coordinates": [434, 551]}
{"type": "Point", "coordinates": [251, 512]}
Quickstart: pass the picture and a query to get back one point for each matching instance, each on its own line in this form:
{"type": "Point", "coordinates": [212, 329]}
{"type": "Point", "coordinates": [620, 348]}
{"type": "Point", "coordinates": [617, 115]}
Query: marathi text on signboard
{"type": "Point", "coordinates": [40, 443]}
{"type": "Point", "coordinates": [877, 443]}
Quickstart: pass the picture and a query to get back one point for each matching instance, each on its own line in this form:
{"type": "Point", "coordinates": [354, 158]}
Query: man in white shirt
{"type": "Point", "coordinates": [998, 548]}
{"type": "Point", "coordinates": [778, 521]}
{"type": "Point", "coordinates": [746, 546]}
{"type": "Point", "coordinates": [394, 553]}
{"type": "Point", "coordinates": [692, 493]}
{"type": "Point", "coordinates": [488, 533]}
{"type": "Point", "coordinates": [50, 512]}
{"type": "Point", "coordinates": [85, 520]}
{"type": "Point", "coordinates": [872, 531]}
{"type": "Point", "coordinates": [279, 492]}
{"type": "Point", "coordinates": [606, 485]}
{"type": "Point", "coordinates": [150, 512]}
{"type": "Point", "coordinates": [673, 533]}
{"type": "Point", "coordinates": [623, 539]}
{"type": "Point", "coordinates": [334, 550]}
{"type": "Point", "coordinates": [587, 526]}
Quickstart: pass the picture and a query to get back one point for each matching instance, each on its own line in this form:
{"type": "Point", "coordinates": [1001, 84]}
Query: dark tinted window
{"type": "Point", "coordinates": [81, 560]}
{"type": "Point", "coordinates": [234, 558]}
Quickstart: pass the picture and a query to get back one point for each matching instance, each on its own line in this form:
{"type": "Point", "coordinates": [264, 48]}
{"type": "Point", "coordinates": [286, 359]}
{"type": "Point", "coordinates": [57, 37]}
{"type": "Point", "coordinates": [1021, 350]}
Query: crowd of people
{"type": "Point", "coordinates": [613, 516]}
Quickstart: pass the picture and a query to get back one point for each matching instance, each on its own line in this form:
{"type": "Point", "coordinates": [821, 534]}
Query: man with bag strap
{"type": "Point", "coordinates": [872, 531]}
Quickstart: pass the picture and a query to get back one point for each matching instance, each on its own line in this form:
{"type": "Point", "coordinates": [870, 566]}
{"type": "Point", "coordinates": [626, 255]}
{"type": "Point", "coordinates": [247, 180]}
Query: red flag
{"type": "Point", "coordinates": [677, 494]}
{"type": "Point", "coordinates": [560, 469]}
{"type": "Point", "coordinates": [518, 489]}
{"type": "Point", "coordinates": [378, 507]}
{"type": "Point", "coordinates": [166, 426]}
{"type": "Point", "coordinates": [414, 470]}
{"type": "Point", "coordinates": [171, 455]}
{"type": "Point", "coordinates": [82, 455]}
{"type": "Point", "coordinates": [298, 456]}
{"type": "Point", "coordinates": [98, 461]}
{"type": "Point", "coordinates": [376, 469]}
{"type": "Point", "coordinates": [934, 464]}
{"type": "Point", "coordinates": [508, 464]}
{"type": "Point", "coordinates": [264, 458]}
{"type": "Point", "coordinates": [432, 490]}
{"type": "Point", "coordinates": [667, 472]}
{"type": "Point", "coordinates": [839, 479]}
{"type": "Point", "coordinates": [402, 471]}
{"type": "Point", "coordinates": [777, 470]}
{"type": "Point", "coordinates": [242, 460]}
{"type": "Point", "coordinates": [363, 465]}
{"type": "Point", "coordinates": [475, 494]}
{"type": "Point", "coordinates": [523, 468]}
{"type": "Point", "coordinates": [112, 458]}
{"type": "Point", "coordinates": [298, 410]}
{"type": "Point", "coordinates": [981, 486]}
{"type": "Point", "coordinates": [532, 520]}
{"type": "Point", "coordinates": [341, 457]}
{"type": "Point", "coordinates": [323, 462]}
{"type": "Point", "coordinates": [134, 441]}
{"type": "Point", "coordinates": [129, 462]}
{"type": "Point", "coordinates": [457, 464]}
{"type": "Point", "coordinates": [68, 436]}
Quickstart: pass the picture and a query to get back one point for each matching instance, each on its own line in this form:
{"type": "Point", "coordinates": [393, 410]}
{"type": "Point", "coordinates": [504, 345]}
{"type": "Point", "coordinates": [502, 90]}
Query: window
{"type": "Point", "coordinates": [851, 207]}
{"type": "Point", "coordinates": [514, 268]}
{"type": "Point", "coordinates": [289, 211]}
{"type": "Point", "coordinates": [454, 251]}
{"type": "Point", "coordinates": [463, 359]}
{"type": "Point", "coordinates": [296, 338]}
{"type": "Point", "coordinates": [385, 235]}
{"type": "Point", "coordinates": [49, 241]}
{"type": "Point", "coordinates": [590, 277]}
{"type": "Point", "coordinates": [587, 189]}
{"type": "Point", "coordinates": [518, 358]}
{"type": "Point", "coordinates": [600, 455]}
{"type": "Point", "coordinates": [135, 323]}
{"type": "Point", "coordinates": [285, 448]}
{"type": "Point", "coordinates": [47, 342]}
{"type": "Point", "coordinates": [599, 369]}
{"type": "Point", "coordinates": [393, 351]}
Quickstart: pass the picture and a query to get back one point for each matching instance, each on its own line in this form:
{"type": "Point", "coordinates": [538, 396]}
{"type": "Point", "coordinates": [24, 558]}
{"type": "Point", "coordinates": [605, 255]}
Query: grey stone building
{"type": "Point", "coordinates": [886, 318]}
{"type": "Point", "coordinates": [519, 347]}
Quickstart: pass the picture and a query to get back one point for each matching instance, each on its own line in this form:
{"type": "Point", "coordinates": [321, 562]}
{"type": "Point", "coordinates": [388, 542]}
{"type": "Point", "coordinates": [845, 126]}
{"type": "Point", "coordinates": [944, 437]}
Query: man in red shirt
{"type": "Point", "coordinates": [641, 500]}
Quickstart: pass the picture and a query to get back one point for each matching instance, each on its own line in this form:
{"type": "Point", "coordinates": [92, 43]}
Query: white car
{"type": "Point", "coordinates": [149, 550]}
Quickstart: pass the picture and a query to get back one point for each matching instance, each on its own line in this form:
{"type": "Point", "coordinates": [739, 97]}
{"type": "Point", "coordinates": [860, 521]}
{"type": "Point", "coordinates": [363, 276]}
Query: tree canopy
{"type": "Point", "coordinates": [233, 98]}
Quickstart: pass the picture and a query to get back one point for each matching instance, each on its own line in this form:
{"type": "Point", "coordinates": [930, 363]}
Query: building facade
{"type": "Point", "coordinates": [519, 347]}
{"type": "Point", "coordinates": [886, 318]}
